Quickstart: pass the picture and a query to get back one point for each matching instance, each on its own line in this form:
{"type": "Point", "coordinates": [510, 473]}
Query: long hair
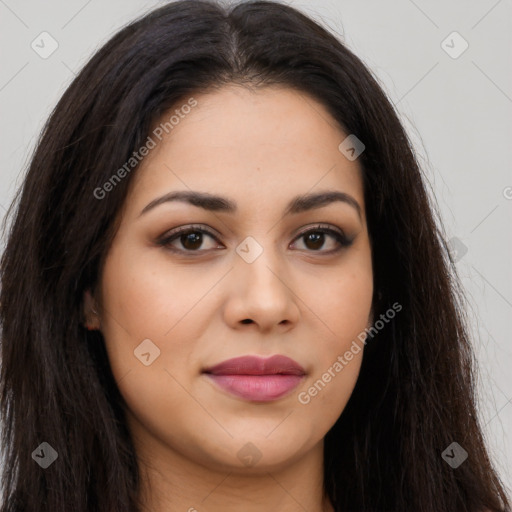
{"type": "Point", "coordinates": [415, 394]}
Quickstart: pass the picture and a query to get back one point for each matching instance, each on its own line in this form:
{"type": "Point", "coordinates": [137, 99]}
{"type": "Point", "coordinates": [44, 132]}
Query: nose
{"type": "Point", "coordinates": [261, 295]}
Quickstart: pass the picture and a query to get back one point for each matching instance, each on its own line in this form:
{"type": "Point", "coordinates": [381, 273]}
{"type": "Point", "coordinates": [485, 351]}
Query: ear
{"type": "Point", "coordinates": [90, 312]}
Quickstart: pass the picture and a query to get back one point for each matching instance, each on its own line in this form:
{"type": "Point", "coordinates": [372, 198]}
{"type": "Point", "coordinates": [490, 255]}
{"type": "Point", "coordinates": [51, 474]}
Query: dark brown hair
{"type": "Point", "coordinates": [415, 394]}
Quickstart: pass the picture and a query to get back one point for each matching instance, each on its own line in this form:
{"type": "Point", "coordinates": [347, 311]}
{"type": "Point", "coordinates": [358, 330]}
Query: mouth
{"type": "Point", "coordinates": [257, 379]}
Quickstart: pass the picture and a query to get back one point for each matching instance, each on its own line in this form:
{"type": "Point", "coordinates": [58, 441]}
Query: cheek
{"type": "Point", "coordinates": [344, 306]}
{"type": "Point", "coordinates": [344, 310]}
{"type": "Point", "coordinates": [141, 301]}
{"type": "Point", "coordinates": [152, 307]}
{"type": "Point", "coordinates": [145, 296]}
{"type": "Point", "coordinates": [328, 390]}
{"type": "Point", "coordinates": [148, 338]}
{"type": "Point", "coordinates": [338, 358]}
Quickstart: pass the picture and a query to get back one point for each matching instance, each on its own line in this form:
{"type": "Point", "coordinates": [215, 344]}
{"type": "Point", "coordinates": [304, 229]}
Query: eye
{"type": "Point", "coordinates": [191, 238]}
{"type": "Point", "coordinates": [315, 239]}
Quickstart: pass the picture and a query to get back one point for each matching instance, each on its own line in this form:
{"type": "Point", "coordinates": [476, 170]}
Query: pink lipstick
{"type": "Point", "coordinates": [257, 379]}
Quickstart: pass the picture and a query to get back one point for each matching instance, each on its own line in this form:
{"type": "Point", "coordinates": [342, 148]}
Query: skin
{"type": "Point", "coordinates": [259, 148]}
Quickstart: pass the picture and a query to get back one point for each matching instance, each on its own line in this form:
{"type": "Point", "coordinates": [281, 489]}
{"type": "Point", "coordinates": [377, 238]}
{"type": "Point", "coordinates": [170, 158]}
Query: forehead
{"type": "Point", "coordinates": [256, 146]}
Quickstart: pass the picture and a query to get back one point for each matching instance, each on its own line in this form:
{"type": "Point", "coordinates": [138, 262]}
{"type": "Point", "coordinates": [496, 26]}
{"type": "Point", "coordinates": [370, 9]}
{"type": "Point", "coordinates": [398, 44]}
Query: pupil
{"type": "Point", "coordinates": [192, 240]}
{"type": "Point", "coordinates": [316, 238]}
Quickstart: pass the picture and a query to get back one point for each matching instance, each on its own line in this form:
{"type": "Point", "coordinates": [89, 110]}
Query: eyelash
{"type": "Point", "coordinates": [340, 237]}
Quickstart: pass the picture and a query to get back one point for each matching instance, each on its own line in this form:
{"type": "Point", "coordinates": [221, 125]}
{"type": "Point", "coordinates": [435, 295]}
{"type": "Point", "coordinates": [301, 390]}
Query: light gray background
{"type": "Point", "coordinates": [456, 110]}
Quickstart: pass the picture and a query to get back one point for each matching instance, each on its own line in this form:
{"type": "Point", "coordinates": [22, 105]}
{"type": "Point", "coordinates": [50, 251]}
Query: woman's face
{"type": "Point", "coordinates": [262, 279]}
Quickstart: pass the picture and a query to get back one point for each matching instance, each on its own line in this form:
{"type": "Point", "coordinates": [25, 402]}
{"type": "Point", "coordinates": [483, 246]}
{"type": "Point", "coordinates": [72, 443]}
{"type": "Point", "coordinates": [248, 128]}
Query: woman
{"type": "Point", "coordinates": [224, 287]}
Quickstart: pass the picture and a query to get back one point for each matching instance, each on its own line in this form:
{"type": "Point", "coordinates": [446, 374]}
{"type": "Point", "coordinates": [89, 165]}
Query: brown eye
{"type": "Point", "coordinates": [190, 238]}
{"type": "Point", "coordinates": [315, 239]}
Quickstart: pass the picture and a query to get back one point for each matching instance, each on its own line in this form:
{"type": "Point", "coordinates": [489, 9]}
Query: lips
{"type": "Point", "coordinates": [257, 379]}
{"type": "Point", "coordinates": [252, 365]}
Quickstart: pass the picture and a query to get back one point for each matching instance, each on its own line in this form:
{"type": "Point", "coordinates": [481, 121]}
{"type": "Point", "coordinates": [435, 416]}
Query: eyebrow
{"type": "Point", "coordinates": [216, 203]}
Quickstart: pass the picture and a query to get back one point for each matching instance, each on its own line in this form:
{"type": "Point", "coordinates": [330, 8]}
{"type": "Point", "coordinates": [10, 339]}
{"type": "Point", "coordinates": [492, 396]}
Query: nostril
{"type": "Point", "coordinates": [247, 321]}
